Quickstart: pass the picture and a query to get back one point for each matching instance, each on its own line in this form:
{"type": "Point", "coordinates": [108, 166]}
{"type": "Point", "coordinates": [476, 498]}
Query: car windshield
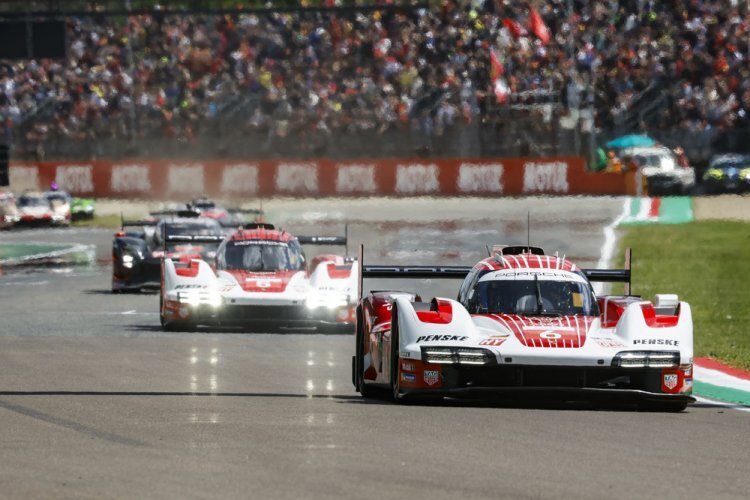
{"type": "Point", "coordinates": [57, 197]}
{"type": "Point", "coordinates": [28, 201]}
{"type": "Point", "coordinates": [257, 256]}
{"type": "Point", "coordinates": [533, 298]}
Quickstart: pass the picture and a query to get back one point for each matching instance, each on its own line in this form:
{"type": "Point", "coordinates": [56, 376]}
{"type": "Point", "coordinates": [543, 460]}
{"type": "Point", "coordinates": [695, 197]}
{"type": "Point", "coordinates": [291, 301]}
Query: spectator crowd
{"type": "Point", "coordinates": [314, 75]}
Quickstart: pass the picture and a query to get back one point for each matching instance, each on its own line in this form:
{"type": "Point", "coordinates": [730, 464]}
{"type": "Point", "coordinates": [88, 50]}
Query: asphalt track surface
{"type": "Point", "coordinates": [97, 402]}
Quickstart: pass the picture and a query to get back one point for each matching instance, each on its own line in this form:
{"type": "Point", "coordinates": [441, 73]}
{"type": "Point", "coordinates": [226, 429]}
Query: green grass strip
{"type": "Point", "coordinates": [707, 263]}
{"type": "Point", "coordinates": [719, 393]}
{"type": "Point", "coordinates": [20, 250]}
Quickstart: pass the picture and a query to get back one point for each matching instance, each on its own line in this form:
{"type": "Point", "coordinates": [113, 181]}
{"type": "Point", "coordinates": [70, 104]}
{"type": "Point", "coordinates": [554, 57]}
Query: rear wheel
{"type": "Point", "coordinates": [359, 359]}
{"type": "Point", "coordinates": [395, 359]}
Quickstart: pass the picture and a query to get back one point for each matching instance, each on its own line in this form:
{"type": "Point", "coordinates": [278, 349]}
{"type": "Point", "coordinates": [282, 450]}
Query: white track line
{"type": "Point", "coordinates": [610, 238]}
{"type": "Point", "coordinates": [721, 404]}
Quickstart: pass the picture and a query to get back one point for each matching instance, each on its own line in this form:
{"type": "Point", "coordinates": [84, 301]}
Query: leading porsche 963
{"type": "Point", "coordinates": [523, 322]}
{"type": "Point", "coordinates": [260, 279]}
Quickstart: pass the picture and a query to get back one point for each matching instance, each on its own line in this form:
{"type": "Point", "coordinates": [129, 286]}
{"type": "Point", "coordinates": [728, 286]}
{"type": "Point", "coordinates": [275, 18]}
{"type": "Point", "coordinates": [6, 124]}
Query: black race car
{"type": "Point", "coordinates": [137, 253]}
{"type": "Point", "coordinates": [727, 173]}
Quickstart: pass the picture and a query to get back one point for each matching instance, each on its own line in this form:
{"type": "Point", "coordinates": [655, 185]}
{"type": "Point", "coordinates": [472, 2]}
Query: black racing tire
{"type": "Point", "coordinates": [367, 391]}
{"type": "Point", "coordinates": [395, 359]}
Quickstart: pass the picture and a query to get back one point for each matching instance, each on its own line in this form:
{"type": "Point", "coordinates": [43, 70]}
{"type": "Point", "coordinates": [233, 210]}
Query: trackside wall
{"type": "Point", "coordinates": [321, 178]}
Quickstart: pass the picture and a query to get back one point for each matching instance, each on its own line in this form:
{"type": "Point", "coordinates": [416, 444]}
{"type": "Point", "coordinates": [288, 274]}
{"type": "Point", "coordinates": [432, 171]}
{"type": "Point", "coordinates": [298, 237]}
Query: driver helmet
{"type": "Point", "coordinates": [53, 186]}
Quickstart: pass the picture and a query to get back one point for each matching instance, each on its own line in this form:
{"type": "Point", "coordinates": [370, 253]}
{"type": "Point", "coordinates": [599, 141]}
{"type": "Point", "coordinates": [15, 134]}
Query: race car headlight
{"type": "Point", "coordinates": [127, 261]}
{"type": "Point", "coordinates": [646, 359]}
{"type": "Point", "coordinates": [745, 173]}
{"type": "Point", "coordinates": [199, 297]}
{"type": "Point", "coordinates": [457, 355]}
{"type": "Point", "coordinates": [328, 300]}
{"type": "Point", "coordinates": [58, 217]}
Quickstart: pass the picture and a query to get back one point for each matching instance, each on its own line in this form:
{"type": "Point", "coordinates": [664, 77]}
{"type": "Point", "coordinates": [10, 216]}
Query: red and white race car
{"type": "Point", "coordinates": [50, 208]}
{"type": "Point", "coordinates": [260, 279]}
{"type": "Point", "coordinates": [523, 322]}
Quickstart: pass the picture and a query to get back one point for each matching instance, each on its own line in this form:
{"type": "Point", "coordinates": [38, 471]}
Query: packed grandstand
{"type": "Point", "coordinates": [302, 82]}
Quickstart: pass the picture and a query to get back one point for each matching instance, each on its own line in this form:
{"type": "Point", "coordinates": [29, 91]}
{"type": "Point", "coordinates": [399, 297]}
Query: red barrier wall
{"type": "Point", "coordinates": [241, 179]}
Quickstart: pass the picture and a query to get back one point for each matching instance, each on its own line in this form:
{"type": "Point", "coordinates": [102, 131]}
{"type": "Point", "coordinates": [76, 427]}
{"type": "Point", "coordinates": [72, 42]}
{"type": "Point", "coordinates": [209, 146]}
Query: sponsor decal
{"type": "Point", "coordinates": [408, 377]}
{"type": "Point", "coordinates": [190, 285]}
{"type": "Point", "coordinates": [545, 177]}
{"type": "Point", "coordinates": [407, 365]}
{"type": "Point", "coordinates": [297, 177]}
{"type": "Point", "coordinates": [669, 342]}
{"type": "Point", "coordinates": [23, 178]}
{"type": "Point", "coordinates": [480, 178]}
{"type": "Point", "coordinates": [417, 178]}
{"type": "Point", "coordinates": [245, 243]}
{"type": "Point", "coordinates": [240, 178]}
{"type": "Point", "coordinates": [431, 377]}
{"type": "Point", "coordinates": [494, 340]}
{"type": "Point", "coordinates": [609, 343]}
{"type": "Point", "coordinates": [264, 282]}
{"type": "Point", "coordinates": [440, 338]}
{"type": "Point", "coordinates": [130, 178]}
{"type": "Point", "coordinates": [404, 354]}
{"type": "Point", "coordinates": [76, 178]}
{"type": "Point", "coordinates": [546, 273]}
{"type": "Point", "coordinates": [186, 178]}
{"type": "Point", "coordinates": [354, 178]}
{"type": "Point", "coordinates": [670, 380]}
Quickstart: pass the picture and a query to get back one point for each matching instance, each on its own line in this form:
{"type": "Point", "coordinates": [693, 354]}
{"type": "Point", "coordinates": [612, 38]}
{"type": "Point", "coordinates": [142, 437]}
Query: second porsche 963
{"type": "Point", "coordinates": [261, 279]}
{"type": "Point", "coordinates": [523, 322]}
{"type": "Point", "coordinates": [138, 248]}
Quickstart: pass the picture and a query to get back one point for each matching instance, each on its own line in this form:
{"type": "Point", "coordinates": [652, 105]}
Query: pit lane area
{"type": "Point", "coordinates": [97, 401]}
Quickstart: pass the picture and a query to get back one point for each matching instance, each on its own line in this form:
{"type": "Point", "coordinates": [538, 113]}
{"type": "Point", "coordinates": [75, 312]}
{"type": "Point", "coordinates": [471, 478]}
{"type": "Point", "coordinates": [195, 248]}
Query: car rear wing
{"type": "Point", "coordinates": [137, 222]}
{"type": "Point", "coordinates": [248, 211]}
{"type": "Point", "coordinates": [613, 275]}
{"type": "Point", "coordinates": [327, 240]}
{"type": "Point", "coordinates": [407, 272]}
{"type": "Point", "coordinates": [193, 239]}
{"type": "Point", "coordinates": [176, 213]}
{"type": "Point", "coordinates": [460, 272]}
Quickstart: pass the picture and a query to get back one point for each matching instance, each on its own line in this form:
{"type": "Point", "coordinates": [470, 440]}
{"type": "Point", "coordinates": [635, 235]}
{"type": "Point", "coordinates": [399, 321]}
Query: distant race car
{"type": "Point", "coordinates": [524, 322]}
{"type": "Point", "coordinates": [49, 208]}
{"type": "Point", "coordinates": [9, 214]}
{"type": "Point", "coordinates": [261, 280]}
{"type": "Point", "coordinates": [82, 208]}
{"type": "Point", "coordinates": [209, 208]}
{"type": "Point", "coordinates": [137, 254]}
{"type": "Point", "coordinates": [727, 173]}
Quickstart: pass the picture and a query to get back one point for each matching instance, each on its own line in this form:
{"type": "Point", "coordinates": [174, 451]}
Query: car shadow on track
{"type": "Point", "coordinates": [180, 394]}
{"type": "Point", "coordinates": [519, 403]}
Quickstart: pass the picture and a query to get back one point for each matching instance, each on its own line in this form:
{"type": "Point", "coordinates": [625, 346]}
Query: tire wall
{"type": "Point", "coordinates": [164, 179]}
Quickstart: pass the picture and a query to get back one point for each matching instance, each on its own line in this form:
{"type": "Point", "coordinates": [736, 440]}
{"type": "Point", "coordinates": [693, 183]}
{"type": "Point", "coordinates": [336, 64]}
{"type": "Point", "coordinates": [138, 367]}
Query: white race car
{"type": "Point", "coordinates": [524, 322]}
{"type": "Point", "coordinates": [261, 280]}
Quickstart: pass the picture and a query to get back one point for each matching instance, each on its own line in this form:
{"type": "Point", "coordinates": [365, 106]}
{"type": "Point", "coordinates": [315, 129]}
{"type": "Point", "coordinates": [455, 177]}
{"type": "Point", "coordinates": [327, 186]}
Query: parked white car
{"type": "Point", "coordinates": [659, 166]}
